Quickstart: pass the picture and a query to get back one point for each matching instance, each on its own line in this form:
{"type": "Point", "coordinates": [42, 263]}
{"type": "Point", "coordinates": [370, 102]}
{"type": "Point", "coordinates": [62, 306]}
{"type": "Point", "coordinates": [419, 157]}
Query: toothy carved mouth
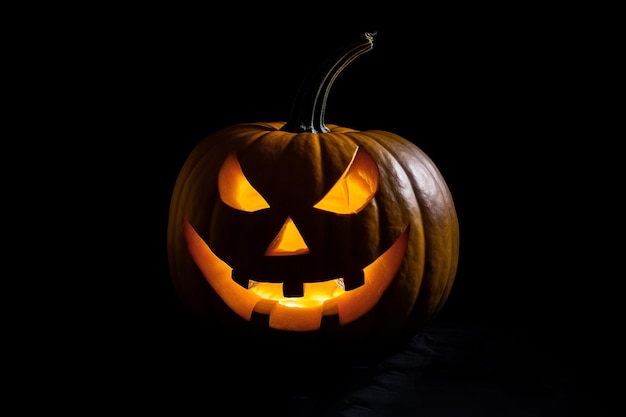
{"type": "Point", "coordinates": [288, 313]}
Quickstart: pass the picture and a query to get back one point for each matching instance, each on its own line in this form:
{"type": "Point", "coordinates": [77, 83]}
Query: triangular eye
{"type": "Point", "coordinates": [356, 187]}
{"type": "Point", "coordinates": [235, 190]}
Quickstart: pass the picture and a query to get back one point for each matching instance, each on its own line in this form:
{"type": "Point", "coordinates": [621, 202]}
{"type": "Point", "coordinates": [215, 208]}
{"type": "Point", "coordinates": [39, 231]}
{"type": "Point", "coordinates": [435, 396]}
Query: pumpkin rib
{"type": "Point", "coordinates": [453, 224]}
{"type": "Point", "coordinates": [390, 142]}
{"type": "Point", "coordinates": [184, 191]}
{"type": "Point", "coordinates": [403, 294]}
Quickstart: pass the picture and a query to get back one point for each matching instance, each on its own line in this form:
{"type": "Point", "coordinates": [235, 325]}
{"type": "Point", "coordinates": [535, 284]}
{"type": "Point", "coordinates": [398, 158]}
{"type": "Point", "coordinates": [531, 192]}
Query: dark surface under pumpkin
{"type": "Point", "coordinates": [448, 369]}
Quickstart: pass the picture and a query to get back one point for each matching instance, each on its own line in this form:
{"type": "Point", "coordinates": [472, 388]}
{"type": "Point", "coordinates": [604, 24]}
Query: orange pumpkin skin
{"type": "Point", "coordinates": [411, 192]}
{"type": "Point", "coordinates": [410, 218]}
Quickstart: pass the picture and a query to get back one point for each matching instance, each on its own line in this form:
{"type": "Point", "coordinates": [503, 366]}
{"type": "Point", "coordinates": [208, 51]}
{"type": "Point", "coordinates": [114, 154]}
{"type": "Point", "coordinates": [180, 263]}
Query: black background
{"type": "Point", "coordinates": [503, 103]}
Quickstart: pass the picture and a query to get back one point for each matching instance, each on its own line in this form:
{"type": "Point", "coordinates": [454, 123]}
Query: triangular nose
{"type": "Point", "coordinates": [287, 242]}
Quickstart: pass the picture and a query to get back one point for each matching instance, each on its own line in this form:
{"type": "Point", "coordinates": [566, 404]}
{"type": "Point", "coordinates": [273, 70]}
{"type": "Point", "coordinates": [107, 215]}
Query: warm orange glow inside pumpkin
{"type": "Point", "coordinates": [355, 188]}
{"type": "Point", "coordinates": [315, 293]}
{"type": "Point", "coordinates": [235, 190]}
{"type": "Point", "coordinates": [288, 241]}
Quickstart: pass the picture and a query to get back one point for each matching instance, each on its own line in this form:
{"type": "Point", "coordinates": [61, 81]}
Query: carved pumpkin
{"type": "Point", "coordinates": [307, 227]}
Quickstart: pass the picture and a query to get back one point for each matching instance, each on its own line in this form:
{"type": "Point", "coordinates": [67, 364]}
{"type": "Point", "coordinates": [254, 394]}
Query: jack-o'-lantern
{"type": "Point", "coordinates": [307, 227]}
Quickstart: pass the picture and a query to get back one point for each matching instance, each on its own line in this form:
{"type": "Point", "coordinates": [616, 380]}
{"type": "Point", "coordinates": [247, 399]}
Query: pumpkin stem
{"type": "Point", "coordinates": [307, 113]}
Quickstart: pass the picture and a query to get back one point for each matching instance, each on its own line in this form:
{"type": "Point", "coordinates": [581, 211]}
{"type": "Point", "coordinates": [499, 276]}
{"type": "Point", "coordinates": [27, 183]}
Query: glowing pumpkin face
{"type": "Point", "coordinates": [302, 266]}
{"type": "Point", "coordinates": [318, 228]}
